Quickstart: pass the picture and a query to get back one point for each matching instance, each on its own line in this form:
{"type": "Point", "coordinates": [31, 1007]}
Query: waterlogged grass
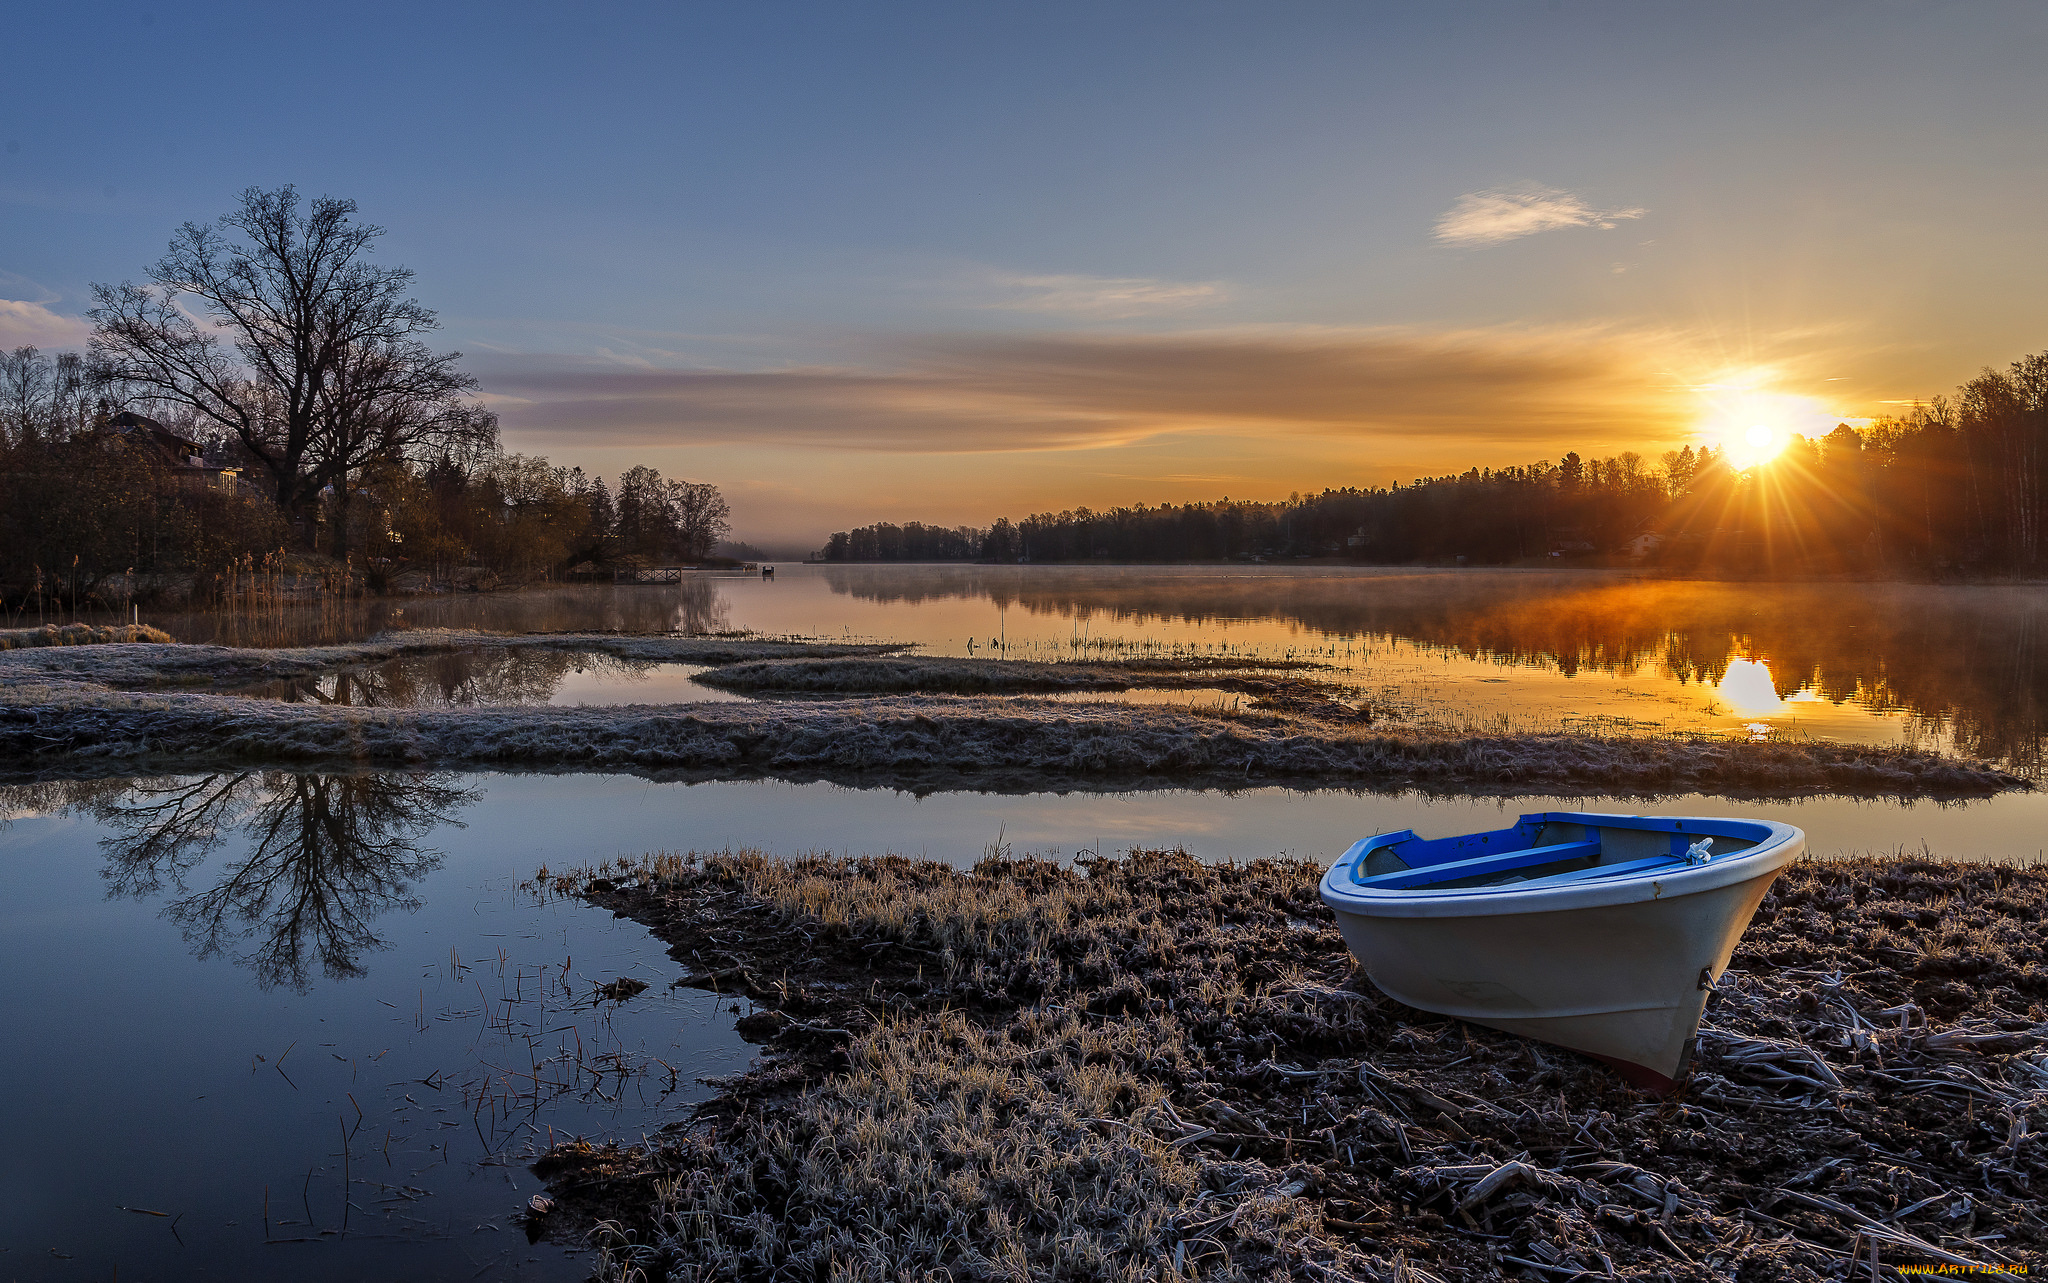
{"type": "Point", "coordinates": [1151, 1068]}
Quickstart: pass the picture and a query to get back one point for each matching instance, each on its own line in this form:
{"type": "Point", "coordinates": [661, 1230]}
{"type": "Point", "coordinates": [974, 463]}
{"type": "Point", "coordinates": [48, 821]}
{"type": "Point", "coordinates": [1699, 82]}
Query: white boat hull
{"type": "Point", "coordinates": [1617, 970]}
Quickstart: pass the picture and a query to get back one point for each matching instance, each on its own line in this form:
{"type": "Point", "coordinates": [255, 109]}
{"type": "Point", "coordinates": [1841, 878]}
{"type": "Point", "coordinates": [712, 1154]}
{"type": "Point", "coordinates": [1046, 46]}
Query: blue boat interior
{"type": "Point", "coordinates": [1551, 848]}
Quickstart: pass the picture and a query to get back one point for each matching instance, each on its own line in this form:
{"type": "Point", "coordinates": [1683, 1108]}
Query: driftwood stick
{"type": "Point", "coordinates": [1876, 1228]}
{"type": "Point", "coordinates": [1508, 1173]}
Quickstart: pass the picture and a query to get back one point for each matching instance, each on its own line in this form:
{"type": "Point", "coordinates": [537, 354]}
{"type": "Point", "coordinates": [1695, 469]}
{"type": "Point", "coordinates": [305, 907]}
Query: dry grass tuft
{"type": "Point", "coordinates": [946, 1147]}
{"type": "Point", "coordinates": [80, 635]}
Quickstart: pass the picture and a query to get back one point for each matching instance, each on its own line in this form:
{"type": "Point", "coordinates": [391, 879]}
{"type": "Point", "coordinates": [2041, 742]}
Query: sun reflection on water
{"type": "Point", "coordinates": [1749, 689]}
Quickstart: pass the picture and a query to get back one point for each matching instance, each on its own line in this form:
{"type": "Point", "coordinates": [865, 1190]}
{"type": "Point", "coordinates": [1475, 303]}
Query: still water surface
{"type": "Point", "coordinates": [315, 1022]}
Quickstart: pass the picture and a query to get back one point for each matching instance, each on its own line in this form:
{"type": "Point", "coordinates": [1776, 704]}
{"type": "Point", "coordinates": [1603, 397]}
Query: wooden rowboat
{"type": "Point", "coordinates": [1601, 933]}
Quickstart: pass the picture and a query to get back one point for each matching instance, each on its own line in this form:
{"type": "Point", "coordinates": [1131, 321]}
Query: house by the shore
{"type": "Point", "coordinates": [181, 457]}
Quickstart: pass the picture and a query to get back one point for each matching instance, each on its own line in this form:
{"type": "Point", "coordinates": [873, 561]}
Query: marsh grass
{"type": "Point", "coordinates": [949, 1148]}
{"type": "Point", "coordinates": [80, 635]}
{"type": "Point", "coordinates": [1152, 1068]}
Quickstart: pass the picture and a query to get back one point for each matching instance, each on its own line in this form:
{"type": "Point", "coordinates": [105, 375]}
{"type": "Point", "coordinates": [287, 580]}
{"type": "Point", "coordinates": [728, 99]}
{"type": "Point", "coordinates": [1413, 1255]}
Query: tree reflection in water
{"type": "Point", "coordinates": [483, 677]}
{"type": "Point", "coordinates": [326, 855]}
{"type": "Point", "coordinates": [696, 606]}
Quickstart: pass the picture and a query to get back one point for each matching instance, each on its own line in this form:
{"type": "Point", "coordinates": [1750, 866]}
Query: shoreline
{"type": "Point", "coordinates": [1629, 569]}
{"type": "Point", "coordinates": [1155, 1068]}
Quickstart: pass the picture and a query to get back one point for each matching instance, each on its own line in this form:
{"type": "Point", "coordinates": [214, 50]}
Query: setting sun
{"type": "Point", "coordinates": [1751, 423]}
{"type": "Point", "coordinates": [1760, 442]}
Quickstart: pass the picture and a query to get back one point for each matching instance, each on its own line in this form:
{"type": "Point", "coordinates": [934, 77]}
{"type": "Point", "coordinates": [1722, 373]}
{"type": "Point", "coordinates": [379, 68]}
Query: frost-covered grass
{"type": "Point", "coordinates": [150, 667]}
{"type": "Point", "coordinates": [941, 675]}
{"type": "Point", "coordinates": [123, 708]}
{"type": "Point", "coordinates": [79, 635]}
{"type": "Point", "coordinates": [900, 674]}
{"type": "Point", "coordinates": [938, 742]}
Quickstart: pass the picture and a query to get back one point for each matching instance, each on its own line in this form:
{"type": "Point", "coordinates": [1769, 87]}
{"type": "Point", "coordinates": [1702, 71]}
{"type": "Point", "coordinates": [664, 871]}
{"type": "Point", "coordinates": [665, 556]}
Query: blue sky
{"type": "Point", "coordinates": [949, 261]}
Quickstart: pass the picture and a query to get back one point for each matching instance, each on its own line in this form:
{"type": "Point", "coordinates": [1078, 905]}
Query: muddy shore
{"type": "Point", "coordinates": [1156, 1068]}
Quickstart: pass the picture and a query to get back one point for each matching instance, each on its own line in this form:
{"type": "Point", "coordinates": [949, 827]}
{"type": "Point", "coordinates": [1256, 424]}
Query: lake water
{"type": "Point", "coordinates": [510, 677]}
{"type": "Point", "coordinates": [1961, 668]}
{"type": "Point", "coordinates": [334, 994]}
{"type": "Point", "coordinates": [221, 985]}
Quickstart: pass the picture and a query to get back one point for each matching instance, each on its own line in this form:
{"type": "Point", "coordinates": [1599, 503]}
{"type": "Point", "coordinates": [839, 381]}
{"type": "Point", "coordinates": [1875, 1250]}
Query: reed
{"type": "Point", "coordinates": [280, 600]}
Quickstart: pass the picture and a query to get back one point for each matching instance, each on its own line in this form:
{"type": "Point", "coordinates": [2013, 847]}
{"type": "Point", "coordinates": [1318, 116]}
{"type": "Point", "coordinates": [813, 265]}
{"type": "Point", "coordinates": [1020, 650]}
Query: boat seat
{"type": "Point", "coordinates": [1608, 871]}
{"type": "Point", "coordinates": [1481, 866]}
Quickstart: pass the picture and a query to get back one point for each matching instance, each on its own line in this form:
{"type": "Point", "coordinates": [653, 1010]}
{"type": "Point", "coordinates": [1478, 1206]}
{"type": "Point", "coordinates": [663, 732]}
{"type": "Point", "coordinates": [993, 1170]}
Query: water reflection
{"type": "Point", "coordinates": [378, 1127]}
{"type": "Point", "coordinates": [320, 858]}
{"type": "Point", "coordinates": [695, 605]}
{"type": "Point", "coordinates": [486, 677]}
{"type": "Point", "coordinates": [498, 677]}
{"type": "Point", "coordinates": [1748, 688]}
{"type": "Point", "coordinates": [1965, 665]}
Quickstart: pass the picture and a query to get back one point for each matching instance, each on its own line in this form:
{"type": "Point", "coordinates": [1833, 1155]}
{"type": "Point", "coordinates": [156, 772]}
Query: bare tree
{"type": "Point", "coordinates": [700, 517]}
{"type": "Point", "coordinates": [26, 388]}
{"type": "Point", "coordinates": [41, 399]}
{"type": "Point", "coordinates": [660, 518]}
{"type": "Point", "coordinates": [308, 354]}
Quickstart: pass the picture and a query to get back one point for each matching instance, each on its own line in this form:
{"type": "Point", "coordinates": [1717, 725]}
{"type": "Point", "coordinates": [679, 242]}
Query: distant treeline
{"type": "Point", "coordinates": [912, 541]}
{"type": "Point", "coordinates": [1960, 483]}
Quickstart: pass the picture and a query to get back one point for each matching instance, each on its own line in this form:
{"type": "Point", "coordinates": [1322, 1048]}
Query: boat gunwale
{"type": "Point", "coordinates": [1779, 847]}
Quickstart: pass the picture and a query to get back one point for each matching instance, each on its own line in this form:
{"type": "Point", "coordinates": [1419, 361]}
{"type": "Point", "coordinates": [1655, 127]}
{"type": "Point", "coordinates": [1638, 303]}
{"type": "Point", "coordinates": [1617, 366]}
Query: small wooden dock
{"type": "Point", "coordinates": [649, 575]}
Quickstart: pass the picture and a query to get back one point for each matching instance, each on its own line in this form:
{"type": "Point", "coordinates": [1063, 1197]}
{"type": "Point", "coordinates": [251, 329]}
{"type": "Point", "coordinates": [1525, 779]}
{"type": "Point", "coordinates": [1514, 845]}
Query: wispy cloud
{"type": "Point", "coordinates": [1099, 297]}
{"type": "Point", "coordinates": [32, 324]}
{"type": "Point", "coordinates": [1493, 389]}
{"type": "Point", "coordinates": [1505, 214]}
{"type": "Point", "coordinates": [26, 318]}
